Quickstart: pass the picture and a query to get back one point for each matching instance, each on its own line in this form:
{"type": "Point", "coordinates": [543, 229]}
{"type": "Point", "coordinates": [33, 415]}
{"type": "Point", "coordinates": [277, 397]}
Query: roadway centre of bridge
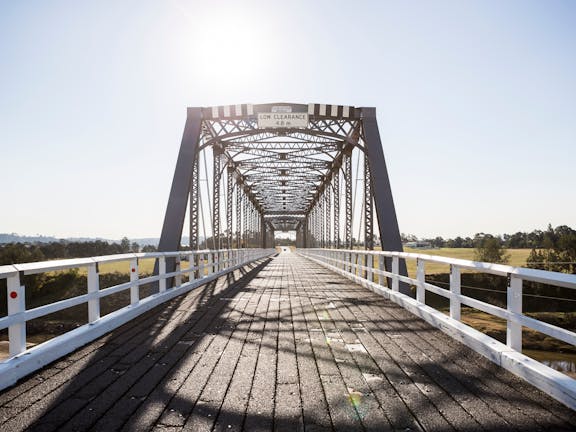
{"type": "Point", "coordinates": [290, 347]}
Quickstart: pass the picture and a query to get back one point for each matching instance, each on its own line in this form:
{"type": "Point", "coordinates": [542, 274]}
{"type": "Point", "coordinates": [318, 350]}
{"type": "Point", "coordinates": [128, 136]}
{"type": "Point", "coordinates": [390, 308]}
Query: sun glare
{"type": "Point", "coordinates": [225, 44]}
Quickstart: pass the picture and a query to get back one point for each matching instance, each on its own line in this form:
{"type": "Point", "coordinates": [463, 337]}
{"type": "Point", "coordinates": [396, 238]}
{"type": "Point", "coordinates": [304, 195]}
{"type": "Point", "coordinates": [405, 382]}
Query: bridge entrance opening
{"type": "Point", "coordinates": [247, 172]}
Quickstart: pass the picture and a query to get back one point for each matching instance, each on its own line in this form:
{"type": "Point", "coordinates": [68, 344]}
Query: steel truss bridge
{"type": "Point", "coordinates": [282, 167]}
{"type": "Point", "coordinates": [226, 333]}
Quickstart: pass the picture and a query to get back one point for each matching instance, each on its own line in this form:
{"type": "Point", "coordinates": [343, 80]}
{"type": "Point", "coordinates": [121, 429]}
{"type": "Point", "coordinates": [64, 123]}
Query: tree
{"type": "Point", "coordinates": [408, 238]}
{"type": "Point", "coordinates": [557, 251]}
{"type": "Point", "coordinates": [489, 249]}
{"type": "Point", "coordinates": [125, 245]}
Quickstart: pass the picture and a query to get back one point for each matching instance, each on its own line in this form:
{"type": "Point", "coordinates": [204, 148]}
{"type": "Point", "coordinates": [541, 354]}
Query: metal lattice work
{"type": "Point", "coordinates": [285, 163]}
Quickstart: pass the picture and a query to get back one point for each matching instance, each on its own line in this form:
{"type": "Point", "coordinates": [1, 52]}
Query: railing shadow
{"type": "Point", "coordinates": [125, 355]}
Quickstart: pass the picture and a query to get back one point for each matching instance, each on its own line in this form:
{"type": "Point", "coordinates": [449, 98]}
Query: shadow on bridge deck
{"type": "Point", "coordinates": [285, 345]}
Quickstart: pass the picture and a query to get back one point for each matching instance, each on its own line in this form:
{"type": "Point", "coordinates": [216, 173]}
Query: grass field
{"type": "Point", "coordinates": [517, 258]}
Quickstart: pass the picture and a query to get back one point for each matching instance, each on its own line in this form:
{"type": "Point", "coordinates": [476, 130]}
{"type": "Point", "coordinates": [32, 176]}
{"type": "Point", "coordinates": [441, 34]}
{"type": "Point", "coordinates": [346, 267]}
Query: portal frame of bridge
{"type": "Point", "coordinates": [284, 177]}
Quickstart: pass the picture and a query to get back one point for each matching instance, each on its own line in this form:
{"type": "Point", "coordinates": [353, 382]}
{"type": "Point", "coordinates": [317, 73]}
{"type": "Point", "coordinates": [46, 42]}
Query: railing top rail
{"type": "Point", "coordinates": [63, 264]}
{"type": "Point", "coordinates": [543, 276]}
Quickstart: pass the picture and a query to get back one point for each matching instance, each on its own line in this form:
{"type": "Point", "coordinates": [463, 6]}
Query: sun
{"type": "Point", "coordinates": [224, 45]}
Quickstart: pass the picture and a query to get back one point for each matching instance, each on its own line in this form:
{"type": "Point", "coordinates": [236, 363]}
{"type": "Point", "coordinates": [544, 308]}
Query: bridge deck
{"type": "Point", "coordinates": [288, 347]}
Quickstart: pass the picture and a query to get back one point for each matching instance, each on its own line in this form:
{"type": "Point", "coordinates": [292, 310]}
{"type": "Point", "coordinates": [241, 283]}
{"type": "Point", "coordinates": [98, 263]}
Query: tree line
{"type": "Point", "coordinates": [536, 239]}
{"type": "Point", "coordinates": [14, 253]}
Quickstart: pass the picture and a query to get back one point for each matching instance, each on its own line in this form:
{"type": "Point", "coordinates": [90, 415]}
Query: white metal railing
{"type": "Point", "coordinates": [211, 265]}
{"type": "Point", "coordinates": [368, 268]}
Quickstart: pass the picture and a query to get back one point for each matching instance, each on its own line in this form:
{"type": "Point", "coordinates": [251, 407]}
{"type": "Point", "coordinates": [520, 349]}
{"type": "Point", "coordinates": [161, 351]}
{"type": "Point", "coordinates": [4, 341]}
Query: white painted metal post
{"type": "Point", "coordinates": [210, 265]}
{"type": "Point", "coordinates": [455, 291]}
{"type": "Point", "coordinates": [370, 265]}
{"type": "Point", "coordinates": [135, 288]}
{"type": "Point", "coordinates": [162, 272]}
{"type": "Point", "coordinates": [93, 290]}
{"type": "Point", "coordinates": [381, 267]}
{"type": "Point", "coordinates": [421, 277]}
{"type": "Point", "coordinates": [16, 304]}
{"type": "Point", "coordinates": [514, 330]}
{"type": "Point", "coordinates": [395, 271]}
{"type": "Point", "coordinates": [178, 269]}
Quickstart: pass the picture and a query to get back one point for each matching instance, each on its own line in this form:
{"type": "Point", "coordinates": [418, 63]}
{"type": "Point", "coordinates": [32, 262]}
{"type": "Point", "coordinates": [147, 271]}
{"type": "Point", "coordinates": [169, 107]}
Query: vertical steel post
{"type": "Point", "coordinates": [368, 207]}
{"type": "Point", "coordinates": [321, 219]}
{"type": "Point", "coordinates": [238, 217]}
{"type": "Point", "coordinates": [263, 232]}
{"type": "Point", "coordinates": [229, 202]}
{"type": "Point", "coordinates": [245, 220]}
{"type": "Point", "coordinates": [194, 217]}
{"type": "Point", "coordinates": [216, 198]}
{"type": "Point", "coordinates": [328, 217]}
{"type": "Point", "coordinates": [348, 180]}
{"type": "Point", "coordinates": [336, 183]}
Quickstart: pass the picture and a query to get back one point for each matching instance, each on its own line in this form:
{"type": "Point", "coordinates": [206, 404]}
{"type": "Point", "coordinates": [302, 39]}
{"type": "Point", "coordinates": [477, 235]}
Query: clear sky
{"type": "Point", "coordinates": [476, 102]}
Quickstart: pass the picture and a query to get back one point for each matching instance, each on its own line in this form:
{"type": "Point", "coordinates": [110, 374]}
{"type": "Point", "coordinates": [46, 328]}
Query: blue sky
{"type": "Point", "coordinates": [476, 102]}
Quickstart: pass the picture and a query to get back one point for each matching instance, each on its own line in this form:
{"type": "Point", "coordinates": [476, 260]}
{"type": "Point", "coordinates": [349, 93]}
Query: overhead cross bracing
{"type": "Point", "coordinates": [283, 169]}
{"type": "Point", "coordinates": [314, 169]}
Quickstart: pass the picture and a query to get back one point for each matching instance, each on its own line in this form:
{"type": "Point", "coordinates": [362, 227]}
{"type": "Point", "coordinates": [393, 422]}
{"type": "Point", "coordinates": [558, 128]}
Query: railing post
{"type": "Point", "coordinates": [395, 271]}
{"type": "Point", "coordinates": [381, 267]}
{"type": "Point", "coordinates": [370, 265]}
{"type": "Point", "coordinates": [514, 330]}
{"type": "Point", "coordinates": [349, 262]}
{"type": "Point", "coordinates": [134, 276]}
{"type": "Point", "coordinates": [16, 304]}
{"type": "Point", "coordinates": [162, 272]}
{"type": "Point", "coordinates": [93, 289]}
{"type": "Point", "coordinates": [178, 276]}
{"type": "Point", "coordinates": [455, 291]}
{"type": "Point", "coordinates": [210, 264]}
{"type": "Point", "coordinates": [421, 277]}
